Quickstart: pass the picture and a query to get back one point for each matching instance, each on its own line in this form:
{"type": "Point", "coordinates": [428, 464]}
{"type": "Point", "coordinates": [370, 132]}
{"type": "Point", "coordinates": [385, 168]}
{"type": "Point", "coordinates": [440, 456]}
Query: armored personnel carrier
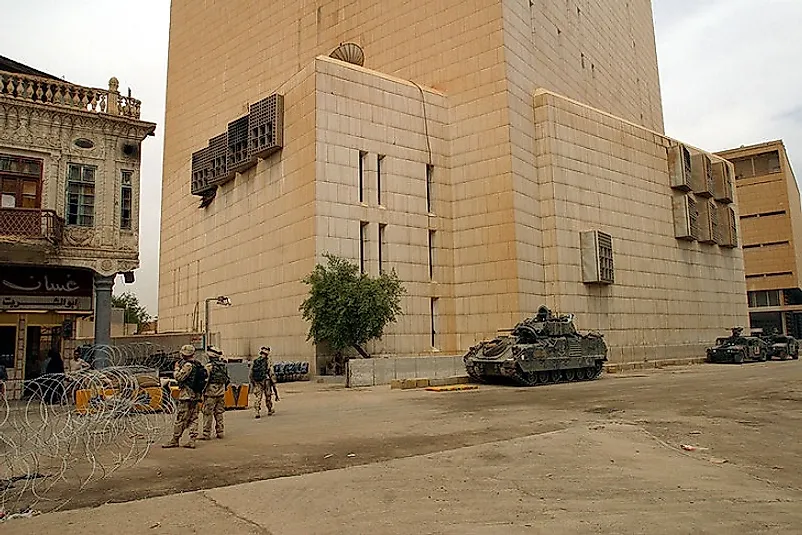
{"type": "Point", "coordinates": [540, 350]}
{"type": "Point", "coordinates": [738, 348]}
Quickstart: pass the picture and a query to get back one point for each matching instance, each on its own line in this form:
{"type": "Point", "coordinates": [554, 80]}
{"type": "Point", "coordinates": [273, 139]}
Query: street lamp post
{"type": "Point", "coordinates": [221, 300]}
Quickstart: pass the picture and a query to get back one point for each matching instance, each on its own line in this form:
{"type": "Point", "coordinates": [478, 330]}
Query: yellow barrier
{"type": "Point", "coordinates": [145, 399]}
{"type": "Point", "coordinates": [236, 396]}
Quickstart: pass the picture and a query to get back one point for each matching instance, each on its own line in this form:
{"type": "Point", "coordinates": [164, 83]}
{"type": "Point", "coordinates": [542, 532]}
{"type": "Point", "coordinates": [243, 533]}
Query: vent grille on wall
{"type": "Point", "coordinates": [256, 135]}
{"type": "Point", "coordinates": [722, 177]}
{"type": "Point", "coordinates": [238, 159]}
{"type": "Point", "coordinates": [597, 257]}
{"type": "Point", "coordinates": [686, 218]}
{"type": "Point", "coordinates": [707, 218]}
{"type": "Point", "coordinates": [702, 172]}
{"type": "Point", "coordinates": [728, 223]}
{"type": "Point", "coordinates": [218, 146]}
{"type": "Point", "coordinates": [679, 167]}
{"type": "Point", "coordinates": [201, 171]}
{"type": "Point", "coordinates": [265, 127]}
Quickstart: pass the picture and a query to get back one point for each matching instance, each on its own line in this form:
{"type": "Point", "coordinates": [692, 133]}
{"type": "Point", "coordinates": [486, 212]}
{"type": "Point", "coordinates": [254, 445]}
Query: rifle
{"type": "Point", "coordinates": [273, 388]}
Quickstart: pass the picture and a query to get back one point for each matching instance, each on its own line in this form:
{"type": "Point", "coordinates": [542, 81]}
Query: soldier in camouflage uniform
{"type": "Point", "coordinates": [263, 382]}
{"type": "Point", "coordinates": [188, 399]}
{"type": "Point", "coordinates": [214, 405]}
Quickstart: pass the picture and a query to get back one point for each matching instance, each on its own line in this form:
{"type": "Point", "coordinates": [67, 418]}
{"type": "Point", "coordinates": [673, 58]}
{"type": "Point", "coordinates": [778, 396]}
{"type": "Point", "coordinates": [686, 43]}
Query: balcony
{"type": "Point", "coordinates": [54, 92]}
{"type": "Point", "coordinates": [31, 224]}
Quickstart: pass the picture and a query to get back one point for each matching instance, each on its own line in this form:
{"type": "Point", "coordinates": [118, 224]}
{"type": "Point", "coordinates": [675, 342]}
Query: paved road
{"type": "Point", "coordinates": [600, 457]}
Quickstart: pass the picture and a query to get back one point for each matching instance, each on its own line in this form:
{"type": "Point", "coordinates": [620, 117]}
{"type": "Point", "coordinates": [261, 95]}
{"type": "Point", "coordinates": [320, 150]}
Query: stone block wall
{"type": "Point", "coordinates": [670, 298]}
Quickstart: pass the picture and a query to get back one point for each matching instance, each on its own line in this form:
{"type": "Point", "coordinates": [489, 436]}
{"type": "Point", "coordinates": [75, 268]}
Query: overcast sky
{"type": "Point", "coordinates": [730, 74]}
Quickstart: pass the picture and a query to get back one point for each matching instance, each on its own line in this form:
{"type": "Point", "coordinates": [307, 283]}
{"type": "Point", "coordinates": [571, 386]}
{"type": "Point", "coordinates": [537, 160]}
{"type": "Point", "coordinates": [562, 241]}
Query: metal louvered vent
{"type": "Point", "coordinates": [597, 257]}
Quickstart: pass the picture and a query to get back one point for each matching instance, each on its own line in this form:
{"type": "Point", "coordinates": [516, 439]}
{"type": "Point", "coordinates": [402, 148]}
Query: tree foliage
{"type": "Point", "coordinates": [347, 308]}
{"type": "Point", "coordinates": [134, 312]}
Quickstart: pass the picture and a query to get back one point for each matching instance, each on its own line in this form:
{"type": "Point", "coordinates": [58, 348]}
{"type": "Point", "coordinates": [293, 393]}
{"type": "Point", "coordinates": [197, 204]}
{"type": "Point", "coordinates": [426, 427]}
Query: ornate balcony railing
{"type": "Point", "coordinates": [64, 94]}
{"type": "Point", "coordinates": [31, 223]}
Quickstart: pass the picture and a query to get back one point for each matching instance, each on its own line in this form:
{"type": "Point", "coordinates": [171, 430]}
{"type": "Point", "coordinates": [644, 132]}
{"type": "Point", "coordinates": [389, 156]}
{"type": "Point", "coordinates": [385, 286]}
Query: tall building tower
{"type": "Point", "coordinates": [455, 142]}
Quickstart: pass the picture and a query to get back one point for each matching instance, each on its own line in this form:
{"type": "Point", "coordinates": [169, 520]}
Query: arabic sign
{"type": "Point", "coordinates": [39, 281]}
{"type": "Point", "coordinates": [32, 302]}
{"type": "Point", "coordinates": [39, 288]}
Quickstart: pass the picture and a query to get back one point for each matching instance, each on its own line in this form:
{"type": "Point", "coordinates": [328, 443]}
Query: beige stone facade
{"type": "Point", "coordinates": [771, 219]}
{"type": "Point", "coordinates": [450, 95]}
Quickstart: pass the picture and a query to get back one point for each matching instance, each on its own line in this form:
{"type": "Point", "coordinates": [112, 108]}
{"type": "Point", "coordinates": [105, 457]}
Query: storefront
{"type": "Point", "coordinates": [38, 308]}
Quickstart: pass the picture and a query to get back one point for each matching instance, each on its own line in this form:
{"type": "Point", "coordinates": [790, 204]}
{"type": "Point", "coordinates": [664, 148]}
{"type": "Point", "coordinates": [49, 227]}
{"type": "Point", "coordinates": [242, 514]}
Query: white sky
{"type": "Point", "coordinates": [730, 74]}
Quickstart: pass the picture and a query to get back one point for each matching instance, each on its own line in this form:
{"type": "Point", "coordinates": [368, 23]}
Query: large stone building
{"type": "Point", "coordinates": [498, 155]}
{"type": "Point", "coordinates": [771, 223]}
{"type": "Point", "coordinates": [69, 212]}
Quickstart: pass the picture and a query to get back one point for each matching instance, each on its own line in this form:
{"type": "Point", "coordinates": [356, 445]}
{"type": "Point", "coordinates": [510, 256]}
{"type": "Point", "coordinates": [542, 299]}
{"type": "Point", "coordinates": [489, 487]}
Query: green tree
{"type": "Point", "coordinates": [134, 312]}
{"type": "Point", "coordinates": [347, 308]}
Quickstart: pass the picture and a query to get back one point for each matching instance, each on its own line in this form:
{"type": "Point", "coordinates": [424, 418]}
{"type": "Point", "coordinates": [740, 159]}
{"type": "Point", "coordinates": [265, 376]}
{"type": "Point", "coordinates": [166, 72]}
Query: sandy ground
{"type": "Point", "coordinates": [598, 457]}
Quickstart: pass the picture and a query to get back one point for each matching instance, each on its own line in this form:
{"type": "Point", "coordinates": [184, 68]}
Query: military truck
{"type": "Point", "coordinates": [737, 348]}
{"type": "Point", "coordinates": [781, 346]}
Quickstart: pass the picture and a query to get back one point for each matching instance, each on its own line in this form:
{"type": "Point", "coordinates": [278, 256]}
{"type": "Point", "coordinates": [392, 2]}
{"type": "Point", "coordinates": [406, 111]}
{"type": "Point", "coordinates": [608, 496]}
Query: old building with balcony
{"type": "Point", "coordinates": [69, 205]}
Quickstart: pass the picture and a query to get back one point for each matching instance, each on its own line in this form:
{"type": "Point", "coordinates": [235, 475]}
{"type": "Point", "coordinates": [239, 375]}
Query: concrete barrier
{"type": "Point", "coordinates": [383, 370]}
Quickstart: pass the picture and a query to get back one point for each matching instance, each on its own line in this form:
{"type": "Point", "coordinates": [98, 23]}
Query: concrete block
{"type": "Point", "coordinates": [421, 383]}
{"type": "Point", "coordinates": [439, 367]}
{"type": "Point", "coordinates": [395, 384]}
{"type": "Point", "coordinates": [383, 371]}
{"type": "Point", "coordinates": [360, 373]}
{"type": "Point", "coordinates": [405, 368]}
{"type": "Point", "coordinates": [407, 384]}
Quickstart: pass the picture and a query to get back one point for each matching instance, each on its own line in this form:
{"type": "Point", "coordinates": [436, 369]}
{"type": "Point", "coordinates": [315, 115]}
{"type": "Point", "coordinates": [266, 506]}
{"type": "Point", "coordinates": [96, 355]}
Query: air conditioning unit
{"type": "Point", "coordinates": [722, 178]}
{"type": "Point", "coordinates": [708, 221]}
{"type": "Point", "coordinates": [597, 257]}
{"type": "Point", "coordinates": [686, 218]}
{"type": "Point", "coordinates": [702, 176]}
{"type": "Point", "coordinates": [728, 224]}
{"type": "Point", "coordinates": [679, 167]}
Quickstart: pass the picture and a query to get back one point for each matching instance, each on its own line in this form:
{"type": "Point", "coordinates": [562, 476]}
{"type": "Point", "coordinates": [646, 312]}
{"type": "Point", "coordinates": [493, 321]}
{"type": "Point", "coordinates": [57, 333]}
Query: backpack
{"type": "Point", "coordinates": [197, 378]}
{"type": "Point", "coordinates": [259, 371]}
{"type": "Point", "coordinates": [219, 375]}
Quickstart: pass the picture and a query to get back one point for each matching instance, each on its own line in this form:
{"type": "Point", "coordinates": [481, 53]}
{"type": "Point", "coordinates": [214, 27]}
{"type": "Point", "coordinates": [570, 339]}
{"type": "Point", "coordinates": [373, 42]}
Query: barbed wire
{"type": "Point", "coordinates": [77, 428]}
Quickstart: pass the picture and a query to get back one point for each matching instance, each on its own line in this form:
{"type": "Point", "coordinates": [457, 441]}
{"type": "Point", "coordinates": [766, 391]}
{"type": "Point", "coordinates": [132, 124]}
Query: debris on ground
{"type": "Point", "coordinates": [328, 456]}
{"type": "Point", "coordinates": [29, 513]}
{"type": "Point", "coordinates": [451, 388]}
{"type": "Point", "coordinates": [351, 455]}
{"type": "Point", "coordinates": [715, 460]}
{"type": "Point", "coordinates": [688, 447]}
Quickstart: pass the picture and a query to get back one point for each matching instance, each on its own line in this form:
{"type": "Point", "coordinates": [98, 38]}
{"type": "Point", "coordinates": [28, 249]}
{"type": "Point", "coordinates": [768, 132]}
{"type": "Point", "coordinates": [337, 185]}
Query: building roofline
{"type": "Point", "coordinates": [9, 65]}
{"type": "Point", "coordinates": [757, 146]}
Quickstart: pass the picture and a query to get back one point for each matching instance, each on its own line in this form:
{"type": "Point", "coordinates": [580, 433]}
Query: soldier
{"type": "Point", "coordinates": [263, 382]}
{"type": "Point", "coordinates": [214, 405]}
{"type": "Point", "coordinates": [191, 377]}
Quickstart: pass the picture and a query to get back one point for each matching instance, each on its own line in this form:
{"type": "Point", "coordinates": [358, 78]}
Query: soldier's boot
{"type": "Point", "coordinates": [271, 412]}
{"type": "Point", "coordinates": [172, 444]}
{"type": "Point", "coordinates": [220, 435]}
{"type": "Point", "coordinates": [190, 444]}
{"type": "Point", "coordinates": [205, 437]}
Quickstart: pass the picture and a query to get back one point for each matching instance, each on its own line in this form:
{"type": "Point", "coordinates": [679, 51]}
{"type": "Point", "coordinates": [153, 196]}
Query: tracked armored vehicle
{"type": "Point", "coordinates": [737, 348]}
{"type": "Point", "coordinates": [540, 350]}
